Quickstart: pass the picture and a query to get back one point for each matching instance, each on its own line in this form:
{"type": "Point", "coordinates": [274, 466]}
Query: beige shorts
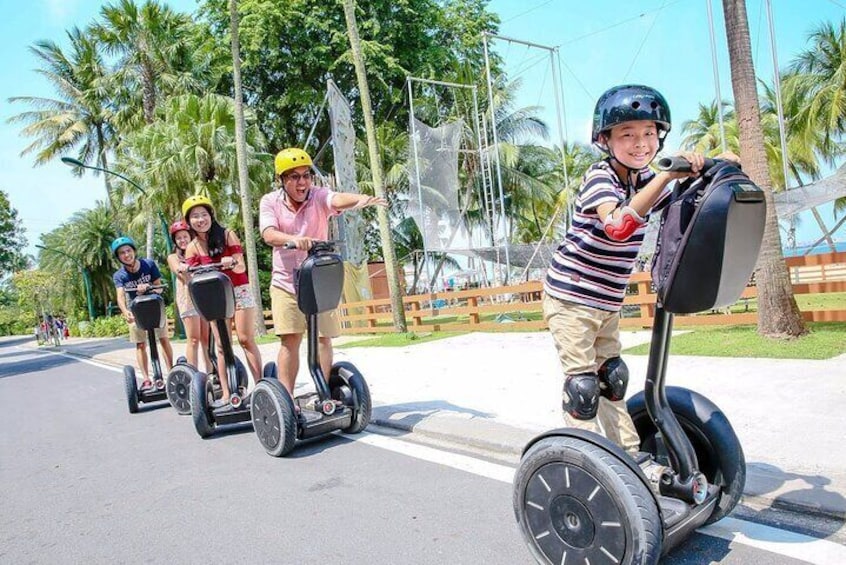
{"type": "Point", "coordinates": [289, 319]}
{"type": "Point", "coordinates": [137, 335]}
{"type": "Point", "coordinates": [585, 337]}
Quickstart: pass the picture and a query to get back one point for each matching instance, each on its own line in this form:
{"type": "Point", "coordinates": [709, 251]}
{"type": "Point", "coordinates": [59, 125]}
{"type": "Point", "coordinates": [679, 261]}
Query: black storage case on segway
{"type": "Point", "coordinates": [577, 496]}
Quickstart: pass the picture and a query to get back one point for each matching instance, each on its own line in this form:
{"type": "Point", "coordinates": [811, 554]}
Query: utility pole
{"type": "Point", "coordinates": [376, 169]}
{"type": "Point", "coordinates": [243, 177]}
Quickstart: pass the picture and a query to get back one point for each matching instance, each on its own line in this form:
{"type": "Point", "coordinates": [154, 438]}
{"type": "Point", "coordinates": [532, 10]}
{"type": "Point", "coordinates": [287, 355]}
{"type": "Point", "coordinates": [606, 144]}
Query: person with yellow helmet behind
{"type": "Point", "coordinates": [298, 213]}
{"type": "Point", "coordinates": [213, 243]}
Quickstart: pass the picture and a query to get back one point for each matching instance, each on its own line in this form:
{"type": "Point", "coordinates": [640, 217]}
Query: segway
{"type": "Point", "coordinates": [178, 381]}
{"type": "Point", "coordinates": [214, 299]}
{"type": "Point", "coordinates": [342, 404]}
{"type": "Point", "coordinates": [149, 312]}
{"type": "Point", "coordinates": [579, 498]}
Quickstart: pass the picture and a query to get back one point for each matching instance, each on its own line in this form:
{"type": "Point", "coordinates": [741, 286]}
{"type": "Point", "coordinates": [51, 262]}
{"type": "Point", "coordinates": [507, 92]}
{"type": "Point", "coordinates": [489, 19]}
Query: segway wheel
{"type": "Point", "coordinates": [241, 374]}
{"type": "Point", "coordinates": [348, 385]}
{"type": "Point", "coordinates": [131, 386]}
{"type": "Point", "coordinates": [181, 360]}
{"type": "Point", "coordinates": [201, 411]}
{"type": "Point", "coordinates": [269, 371]}
{"type": "Point", "coordinates": [178, 388]}
{"type": "Point", "coordinates": [274, 419]}
{"type": "Point", "coordinates": [578, 503]}
{"type": "Point", "coordinates": [718, 451]}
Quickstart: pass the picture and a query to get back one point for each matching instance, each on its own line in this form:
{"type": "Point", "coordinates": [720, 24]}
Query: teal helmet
{"type": "Point", "coordinates": [120, 242]}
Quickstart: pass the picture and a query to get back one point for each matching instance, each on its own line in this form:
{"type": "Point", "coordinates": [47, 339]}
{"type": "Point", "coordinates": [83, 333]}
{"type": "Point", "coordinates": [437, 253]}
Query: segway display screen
{"type": "Point", "coordinates": [213, 295]}
{"type": "Point", "coordinates": [320, 283]}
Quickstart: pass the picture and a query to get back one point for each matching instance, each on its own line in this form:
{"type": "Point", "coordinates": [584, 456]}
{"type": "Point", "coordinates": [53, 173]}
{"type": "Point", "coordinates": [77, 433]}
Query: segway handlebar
{"type": "Point", "coordinates": [316, 245]}
{"type": "Point", "coordinates": [154, 287]}
{"type": "Point", "coordinates": [208, 267]}
{"type": "Point", "coordinates": [681, 165]}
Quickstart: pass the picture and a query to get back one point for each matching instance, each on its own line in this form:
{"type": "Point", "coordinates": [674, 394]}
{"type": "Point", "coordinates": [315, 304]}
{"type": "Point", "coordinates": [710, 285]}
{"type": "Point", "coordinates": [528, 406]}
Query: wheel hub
{"type": "Point", "coordinates": [572, 521]}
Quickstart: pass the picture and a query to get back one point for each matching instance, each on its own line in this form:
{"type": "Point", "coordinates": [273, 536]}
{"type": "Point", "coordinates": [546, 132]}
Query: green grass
{"type": "Point", "coordinates": [823, 341]}
{"type": "Point", "coordinates": [398, 340]}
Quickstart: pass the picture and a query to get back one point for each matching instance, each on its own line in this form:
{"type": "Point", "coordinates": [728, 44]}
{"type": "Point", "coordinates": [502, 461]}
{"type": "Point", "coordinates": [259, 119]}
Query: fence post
{"type": "Point", "coordinates": [473, 302]}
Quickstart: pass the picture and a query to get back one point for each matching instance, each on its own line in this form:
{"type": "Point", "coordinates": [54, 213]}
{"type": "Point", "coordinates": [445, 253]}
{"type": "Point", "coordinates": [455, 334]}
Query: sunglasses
{"type": "Point", "coordinates": [297, 176]}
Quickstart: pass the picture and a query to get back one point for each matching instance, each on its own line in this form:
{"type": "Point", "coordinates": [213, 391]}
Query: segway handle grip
{"type": "Point", "coordinates": [680, 164]}
{"type": "Point", "coordinates": [155, 287]}
{"type": "Point", "coordinates": [208, 266]}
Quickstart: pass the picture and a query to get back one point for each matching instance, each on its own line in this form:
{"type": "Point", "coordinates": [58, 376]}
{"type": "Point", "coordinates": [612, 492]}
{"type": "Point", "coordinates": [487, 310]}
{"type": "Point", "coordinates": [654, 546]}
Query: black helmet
{"type": "Point", "coordinates": [630, 103]}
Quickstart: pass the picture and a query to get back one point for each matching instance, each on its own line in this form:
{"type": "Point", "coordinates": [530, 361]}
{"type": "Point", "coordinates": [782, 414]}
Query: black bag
{"type": "Point", "coordinates": [709, 240]}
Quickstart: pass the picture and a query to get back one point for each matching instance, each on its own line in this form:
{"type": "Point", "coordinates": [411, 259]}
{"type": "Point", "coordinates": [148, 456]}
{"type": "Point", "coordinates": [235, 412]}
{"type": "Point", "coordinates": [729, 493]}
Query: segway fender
{"type": "Point", "coordinates": [601, 442]}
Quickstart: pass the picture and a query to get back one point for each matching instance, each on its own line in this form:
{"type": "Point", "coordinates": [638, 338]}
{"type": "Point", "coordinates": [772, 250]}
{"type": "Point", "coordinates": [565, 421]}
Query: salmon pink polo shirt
{"type": "Point", "coordinates": [311, 220]}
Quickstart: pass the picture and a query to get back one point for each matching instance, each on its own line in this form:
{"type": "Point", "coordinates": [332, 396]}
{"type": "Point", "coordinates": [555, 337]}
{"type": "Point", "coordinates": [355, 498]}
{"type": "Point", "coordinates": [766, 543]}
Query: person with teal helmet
{"type": "Point", "coordinates": [133, 277]}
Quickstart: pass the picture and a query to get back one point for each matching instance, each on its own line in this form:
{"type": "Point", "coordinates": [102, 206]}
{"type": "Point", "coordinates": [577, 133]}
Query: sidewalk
{"type": "Point", "coordinates": [496, 391]}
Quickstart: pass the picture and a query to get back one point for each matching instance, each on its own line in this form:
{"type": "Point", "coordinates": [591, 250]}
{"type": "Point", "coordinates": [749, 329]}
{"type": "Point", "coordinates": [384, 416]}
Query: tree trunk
{"type": "Point", "coordinates": [243, 177]}
{"type": "Point", "coordinates": [151, 229]}
{"type": "Point", "coordinates": [375, 169]}
{"type": "Point", "coordinates": [778, 314]}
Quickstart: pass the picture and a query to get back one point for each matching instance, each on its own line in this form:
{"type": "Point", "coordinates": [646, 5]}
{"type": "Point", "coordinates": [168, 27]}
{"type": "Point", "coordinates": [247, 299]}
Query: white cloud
{"type": "Point", "coordinates": [59, 10]}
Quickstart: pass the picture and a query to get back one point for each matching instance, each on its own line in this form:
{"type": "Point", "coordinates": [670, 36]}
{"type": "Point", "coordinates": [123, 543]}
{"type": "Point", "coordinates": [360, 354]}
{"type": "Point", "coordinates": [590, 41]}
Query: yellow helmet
{"type": "Point", "coordinates": [291, 158]}
{"type": "Point", "coordinates": [196, 200]}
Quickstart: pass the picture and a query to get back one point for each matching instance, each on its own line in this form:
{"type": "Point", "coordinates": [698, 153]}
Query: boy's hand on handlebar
{"type": "Point", "coordinates": [696, 160]}
{"type": "Point", "coordinates": [142, 288]}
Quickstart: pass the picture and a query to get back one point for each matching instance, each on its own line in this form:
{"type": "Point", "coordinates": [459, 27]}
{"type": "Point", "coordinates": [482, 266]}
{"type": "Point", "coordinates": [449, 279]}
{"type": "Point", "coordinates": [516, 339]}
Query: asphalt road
{"type": "Point", "coordinates": [82, 480]}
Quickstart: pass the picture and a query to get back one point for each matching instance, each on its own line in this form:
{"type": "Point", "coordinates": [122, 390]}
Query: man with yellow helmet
{"type": "Point", "coordinates": [298, 213]}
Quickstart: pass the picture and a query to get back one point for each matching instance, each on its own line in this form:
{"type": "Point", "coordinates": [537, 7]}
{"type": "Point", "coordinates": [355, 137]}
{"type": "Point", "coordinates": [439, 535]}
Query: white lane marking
{"type": "Point", "coordinates": [75, 358]}
{"type": "Point", "coordinates": [790, 544]}
{"type": "Point", "coordinates": [502, 473]}
{"type": "Point", "coordinates": [798, 546]}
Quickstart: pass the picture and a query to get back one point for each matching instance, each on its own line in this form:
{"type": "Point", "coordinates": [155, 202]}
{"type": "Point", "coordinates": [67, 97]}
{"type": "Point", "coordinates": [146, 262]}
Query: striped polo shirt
{"type": "Point", "coordinates": [589, 268]}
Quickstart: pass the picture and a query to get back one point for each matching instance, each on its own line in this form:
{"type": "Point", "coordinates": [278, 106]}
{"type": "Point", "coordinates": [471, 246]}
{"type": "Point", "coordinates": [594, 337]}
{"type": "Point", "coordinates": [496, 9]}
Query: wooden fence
{"type": "Point", "coordinates": [467, 310]}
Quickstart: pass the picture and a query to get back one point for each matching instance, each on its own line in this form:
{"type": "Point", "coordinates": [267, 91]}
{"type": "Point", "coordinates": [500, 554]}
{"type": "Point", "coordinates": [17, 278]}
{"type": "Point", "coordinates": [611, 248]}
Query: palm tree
{"type": "Point", "coordinates": [243, 178]}
{"type": "Point", "coordinates": [85, 240]}
{"type": "Point", "coordinates": [151, 43]}
{"type": "Point", "coordinates": [79, 118]}
{"type": "Point", "coordinates": [817, 77]}
{"type": "Point", "coordinates": [778, 315]}
{"type": "Point", "coordinates": [192, 148]}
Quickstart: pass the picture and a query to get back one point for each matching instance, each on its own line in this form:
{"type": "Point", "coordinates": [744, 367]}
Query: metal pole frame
{"type": "Point", "coordinates": [419, 185]}
{"type": "Point", "coordinates": [496, 153]}
{"type": "Point", "coordinates": [716, 76]}
{"type": "Point", "coordinates": [474, 91]}
{"type": "Point", "coordinates": [559, 105]}
{"type": "Point", "coordinates": [777, 81]}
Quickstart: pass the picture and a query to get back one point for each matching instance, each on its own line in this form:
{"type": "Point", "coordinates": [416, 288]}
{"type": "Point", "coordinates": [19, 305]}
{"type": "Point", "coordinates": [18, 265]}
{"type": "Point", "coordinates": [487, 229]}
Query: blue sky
{"type": "Point", "coordinates": [663, 43]}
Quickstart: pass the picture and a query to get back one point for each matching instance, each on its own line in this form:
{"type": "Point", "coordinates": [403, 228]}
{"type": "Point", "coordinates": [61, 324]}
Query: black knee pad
{"type": "Point", "coordinates": [613, 379]}
{"type": "Point", "coordinates": [580, 397]}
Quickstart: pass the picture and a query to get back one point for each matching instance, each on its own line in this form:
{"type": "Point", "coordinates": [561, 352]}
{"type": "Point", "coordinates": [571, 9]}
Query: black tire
{"type": "Point", "coordinates": [181, 360]}
{"type": "Point", "coordinates": [131, 386]}
{"type": "Point", "coordinates": [347, 384]}
{"type": "Point", "coordinates": [574, 496]}
{"type": "Point", "coordinates": [269, 371]}
{"type": "Point", "coordinates": [201, 412]}
{"type": "Point", "coordinates": [274, 419]}
{"type": "Point", "coordinates": [241, 375]}
{"type": "Point", "coordinates": [178, 388]}
{"type": "Point", "coordinates": [717, 448]}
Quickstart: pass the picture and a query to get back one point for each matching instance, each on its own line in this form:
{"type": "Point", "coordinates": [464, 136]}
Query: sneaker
{"type": "Point", "coordinates": [147, 384]}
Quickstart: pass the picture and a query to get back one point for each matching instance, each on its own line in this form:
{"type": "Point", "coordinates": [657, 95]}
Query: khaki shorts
{"type": "Point", "coordinates": [289, 319]}
{"type": "Point", "coordinates": [137, 335]}
{"type": "Point", "coordinates": [585, 337]}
